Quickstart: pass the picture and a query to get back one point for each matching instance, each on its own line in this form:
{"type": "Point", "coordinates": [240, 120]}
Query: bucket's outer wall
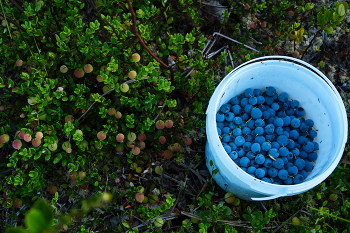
{"type": "Point", "coordinates": [315, 93]}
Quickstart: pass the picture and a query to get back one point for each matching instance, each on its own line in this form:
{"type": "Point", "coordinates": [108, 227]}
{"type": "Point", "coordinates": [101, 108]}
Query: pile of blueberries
{"type": "Point", "coordinates": [266, 134]}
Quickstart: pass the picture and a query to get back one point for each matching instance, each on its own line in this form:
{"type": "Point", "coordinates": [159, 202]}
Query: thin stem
{"type": "Point", "coordinates": [140, 38]}
{"type": "Point", "coordinates": [302, 56]}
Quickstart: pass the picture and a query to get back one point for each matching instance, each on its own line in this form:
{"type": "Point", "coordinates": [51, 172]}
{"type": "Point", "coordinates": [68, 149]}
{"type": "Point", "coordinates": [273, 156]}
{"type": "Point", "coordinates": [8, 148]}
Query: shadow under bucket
{"type": "Point", "coordinates": [316, 94]}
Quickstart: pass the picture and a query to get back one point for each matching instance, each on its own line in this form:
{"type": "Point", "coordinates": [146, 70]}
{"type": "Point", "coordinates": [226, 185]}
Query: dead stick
{"type": "Point", "coordinates": [140, 38]}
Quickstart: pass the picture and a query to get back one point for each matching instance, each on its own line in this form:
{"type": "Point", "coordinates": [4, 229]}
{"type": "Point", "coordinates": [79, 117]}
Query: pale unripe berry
{"type": "Point", "coordinates": [158, 222]}
{"type": "Point", "coordinates": [229, 197]}
{"type": "Point", "coordinates": [161, 139]}
{"type": "Point", "coordinates": [120, 137]}
{"type": "Point", "coordinates": [153, 199]}
{"type": "Point", "coordinates": [124, 87]}
{"type": "Point", "coordinates": [82, 175]}
{"type": "Point", "coordinates": [59, 88]}
{"type": "Point", "coordinates": [69, 150]}
{"type": "Point", "coordinates": [66, 145]}
{"type": "Point", "coordinates": [4, 138]}
{"type": "Point", "coordinates": [169, 123]}
{"type": "Point", "coordinates": [139, 197]}
{"type": "Point", "coordinates": [17, 144]}
{"type": "Point", "coordinates": [101, 135]}
{"type": "Point", "coordinates": [136, 150]}
{"type": "Point", "coordinates": [160, 124]}
{"type": "Point", "coordinates": [52, 147]}
{"type": "Point", "coordinates": [159, 170]}
{"type": "Point", "coordinates": [188, 141]}
{"type": "Point", "coordinates": [63, 69]}
{"type": "Point", "coordinates": [135, 57]}
{"type": "Point", "coordinates": [88, 68]}
{"type": "Point", "coordinates": [131, 136]}
{"type": "Point", "coordinates": [106, 88]}
{"type": "Point", "coordinates": [132, 74]}
{"type": "Point", "coordinates": [111, 111]}
{"type": "Point", "coordinates": [32, 100]}
{"type": "Point", "coordinates": [36, 142]}
{"type": "Point", "coordinates": [119, 148]}
{"type": "Point", "coordinates": [79, 73]}
{"type": "Point", "coordinates": [167, 154]}
{"type": "Point", "coordinates": [19, 62]}
{"type": "Point", "coordinates": [52, 189]}
{"type": "Point", "coordinates": [118, 115]}
{"type": "Point", "coordinates": [142, 145]}
{"type": "Point", "coordinates": [99, 78]}
{"type": "Point", "coordinates": [141, 137]}
{"type": "Point", "coordinates": [27, 137]}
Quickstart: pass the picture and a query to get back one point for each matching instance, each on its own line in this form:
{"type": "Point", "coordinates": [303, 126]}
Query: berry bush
{"type": "Point", "coordinates": [102, 115]}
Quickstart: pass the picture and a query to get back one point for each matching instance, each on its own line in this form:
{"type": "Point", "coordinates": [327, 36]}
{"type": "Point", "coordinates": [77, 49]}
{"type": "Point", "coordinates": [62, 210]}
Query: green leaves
{"type": "Point", "coordinates": [40, 217]}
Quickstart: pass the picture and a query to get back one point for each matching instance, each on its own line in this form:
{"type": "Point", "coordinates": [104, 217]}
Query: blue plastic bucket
{"type": "Point", "coordinates": [316, 94]}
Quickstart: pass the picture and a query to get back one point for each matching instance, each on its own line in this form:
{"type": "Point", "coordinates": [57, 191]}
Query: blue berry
{"type": "Point", "coordinates": [237, 132]}
{"type": "Point", "coordinates": [261, 99]}
{"type": "Point", "coordinates": [266, 146]}
{"type": "Point", "coordinates": [299, 163]}
{"type": "Point", "coordinates": [248, 138]}
{"type": "Point", "coordinates": [294, 104]}
{"type": "Point", "coordinates": [312, 156]}
{"type": "Point", "coordinates": [259, 159]}
{"type": "Point", "coordinates": [227, 149]}
{"type": "Point", "coordinates": [266, 180]}
{"type": "Point", "coordinates": [316, 146]}
{"type": "Point", "coordinates": [226, 130]}
{"type": "Point", "coordinates": [244, 161]}
{"type": "Point", "coordinates": [253, 100]}
{"type": "Point", "coordinates": [270, 137]}
{"type": "Point", "coordinates": [269, 129]}
{"type": "Point", "coordinates": [233, 155]}
{"type": "Point", "coordinates": [251, 170]}
{"type": "Point", "coordinates": [300, 112]}
{"type": "Point", "coordinates": [268, 162]}
{"type": "Point", "coordinates": [269, 100]}
{"type": "Point", "coordinates": [259, 139]}
{"type": "Point", "coordinates": [293, 134]}
{"type": "Point", "coordinates": [237, 120]}
{"type": "Point", "coordinates": [275, 145]}
{"type": "Point", "coordinates": [256, 113]}
{"type": "Point", "coordinates": [236, 109]}
{"type": "Point", "coordinates": [245, 116]}
{"type": "Point", "coordinates": [283, 151]}
{"type": "Point", "coordinates": [298, 179]}
{"type": "Point", "coordinates": [309, 122]}
{"type": "Point", "coordinates": [283, 174]}
{"type": "Point", "coordinates": [225, 138]}
{"type": "Point", "coordinates": [219, 130]}
{"type": "Point", "coordinates": [235, 100]}
{"type": "Point", "coordinates": [244, 102]}
{"type": "Point", "coordinates": [240, 152]}
{"type": "Point", "coordinates": [295, 123]}
{"type": "Point", "coordinates": [255, 148]}
{"type": "Point", "coordinates": [303, 154]}
{"type": "Point", "coordinates": [233, 146]}
{"type": "Point", "coordinates": [248, 108]}
{"type": "Point", "coordinates": [270, 91]}
{"type": "Point", "coordinates": [295, 151]}
{"type": "Point", "coordinates": [250, 155]}
{"type": "Point", "coordinates": [286, 120]}
{"type": "Point", "coordinates": [246, 146]}
{"type": "Point", "coordinates": [288, 181]}
{"type": "Point", "coordinates": [260, 173]}
{"type": "Point", "coordinates": [278, 122]}
{"type": "Point", "coordinates": [312, 133]}
{"type": "Point", "coordinates": [273, 152]}
{"type": "Point", "coordinates": [282, 140]}
{"type": "Point", "coordinates": [304, 173]}
{"type": "Point", "coordinates": [257, 92]}
{"type": "Point", "coordinates": [275, 106]}
{"type": "Point", "coordinates": [229, 116]}
{"type": "Point", "coordinates": [292, 171]}
{"type": "Point", "coordinates": [309, 166]}
{"type": "Point", "coordinates": [246, 130]}
{"type": "Point", "coordinates": [283, 96]}
{"type": "Point", "coordinates": [249, 92]}
{"type": "Point", "coordinates": [259, 131]}
{"type": "Point", "coordinates": [308, 147]}
{"type": "Point", "coordinates": [266, 115]}
{"type": "Point", "coordinates": [225, 108]}
{"type": "Point", "coordinates": [239, 140]}
{"type": "Point", "coordinates": [278, 163]}
{"type": "Point", "coordinates": [272, 172]}
{"type": "Point", "coordinates": [220, 117]}
{"type": "Point", "coordinates": [259, 123]}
